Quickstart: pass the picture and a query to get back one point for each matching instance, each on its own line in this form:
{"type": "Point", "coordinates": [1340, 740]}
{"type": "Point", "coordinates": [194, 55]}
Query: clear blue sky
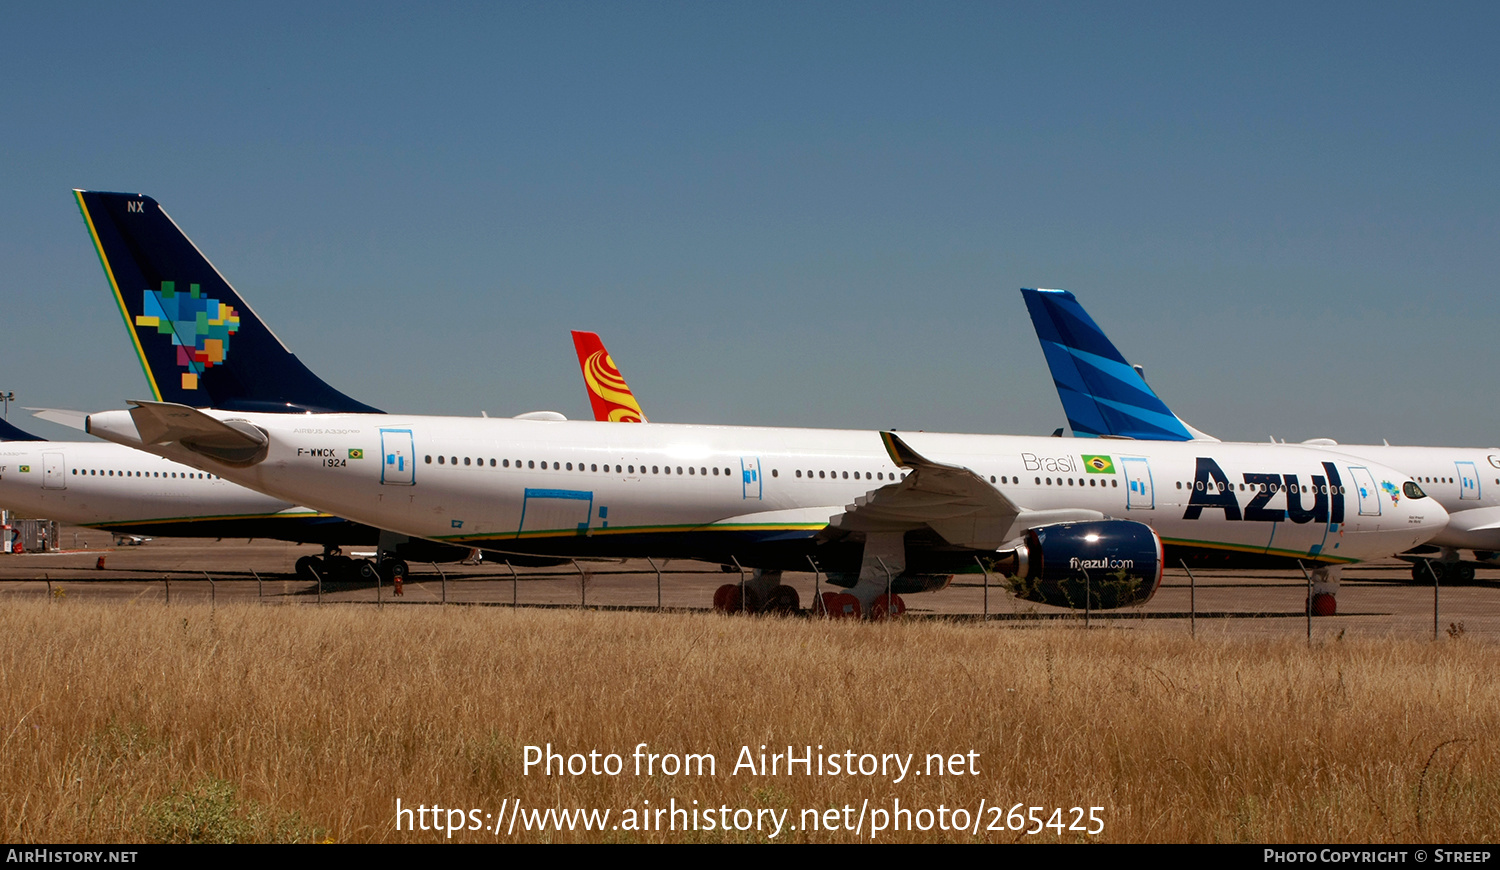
{"type": "Point", "coordinates": [786, 214]}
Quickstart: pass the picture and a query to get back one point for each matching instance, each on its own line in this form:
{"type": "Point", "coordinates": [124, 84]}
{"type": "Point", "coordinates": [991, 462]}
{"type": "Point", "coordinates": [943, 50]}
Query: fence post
{"type": "Point", "coordinates": [583, 584]}
{"type": "Point", "coordinates": [744, 605]}
{"type": "Point", "coordinates": [1309, 600]}
{"type": "Point", "coordinates": [1192, 598]}
{"type": "Point", "coordinates": [652, 563]}
{"type": "Point", "coordinates": [980, 562]}
{"type": "Point", "coordinates": [817, 587]}
{"type": "Point", "coordinates": [1433, 571]}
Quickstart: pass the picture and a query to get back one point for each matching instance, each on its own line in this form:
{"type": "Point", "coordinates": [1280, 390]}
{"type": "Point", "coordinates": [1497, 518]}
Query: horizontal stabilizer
{"type": "Point", "coordinates": [233, 442]}
{"type": "Point", "coordinates": [71, 419]}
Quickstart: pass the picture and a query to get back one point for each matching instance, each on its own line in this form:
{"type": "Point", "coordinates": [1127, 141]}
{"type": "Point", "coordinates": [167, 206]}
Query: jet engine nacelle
{"type": "Point", "coordinates": [1109, 563]}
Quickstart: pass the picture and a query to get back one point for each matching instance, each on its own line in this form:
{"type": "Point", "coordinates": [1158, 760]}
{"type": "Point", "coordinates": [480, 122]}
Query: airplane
{"type": "Point", "coordinates": [1105, 396]}
{"type": "Point", "coordinates": [880, 513]}
{"type": "Point", "coordinates": [133, 494]}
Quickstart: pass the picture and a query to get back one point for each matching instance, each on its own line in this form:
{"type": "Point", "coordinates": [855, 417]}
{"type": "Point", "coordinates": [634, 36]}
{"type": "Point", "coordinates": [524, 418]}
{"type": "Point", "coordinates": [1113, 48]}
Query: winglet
{"type": "Point", "coordinates": [198, 342]}
{"type": "Point", "coordinates": [1101, 393]}
{"type": "Point", "coordinates": [609, 394]}
{"type": "Point", "coordinates": [901, 453]}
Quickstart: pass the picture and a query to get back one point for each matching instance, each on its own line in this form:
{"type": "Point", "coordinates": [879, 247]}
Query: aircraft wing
{"type": "Point", "coordinates": [955, 502]}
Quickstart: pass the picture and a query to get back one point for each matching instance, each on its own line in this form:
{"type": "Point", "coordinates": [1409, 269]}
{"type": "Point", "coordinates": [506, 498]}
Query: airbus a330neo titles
{"type": "Point", "coordinates": [1105, 396]}
{"type": "Point", "coordinates": [879, 512]}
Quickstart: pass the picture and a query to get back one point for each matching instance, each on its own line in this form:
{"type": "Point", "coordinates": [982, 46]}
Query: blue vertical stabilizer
{"type": "Point", "coordinates": [1101, 393]}
{"type": "Point", "coordinates": [198, 341]}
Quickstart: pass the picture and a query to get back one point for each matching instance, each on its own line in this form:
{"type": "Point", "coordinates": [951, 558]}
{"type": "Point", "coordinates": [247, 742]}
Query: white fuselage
{"type": "Point", "coordinates": [599, 488]}
{"type": "Point", "coordinates": [1464, 480]}
{"type": "Point", "coordinates": [113, 487]}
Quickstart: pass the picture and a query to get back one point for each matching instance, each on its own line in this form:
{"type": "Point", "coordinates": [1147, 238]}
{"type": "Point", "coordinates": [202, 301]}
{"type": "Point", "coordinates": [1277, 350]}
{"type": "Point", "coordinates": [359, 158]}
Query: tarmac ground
{"type": "Point", "coordinates": [1374, 599]}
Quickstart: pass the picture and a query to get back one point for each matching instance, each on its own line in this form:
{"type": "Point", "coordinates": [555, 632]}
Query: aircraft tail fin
{"type": "Point", "coordinates": [608, 392]}
{"type": "Point", "coordinates": [198, 342]}
{"type": "Point", "coordinates": [11, 433]}
{"type": "Point", "coordinates": [1102, 394]}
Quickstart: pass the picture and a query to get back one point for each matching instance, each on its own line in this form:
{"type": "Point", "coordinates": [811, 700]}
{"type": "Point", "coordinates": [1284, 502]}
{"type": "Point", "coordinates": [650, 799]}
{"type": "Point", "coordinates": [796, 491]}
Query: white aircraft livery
{"type": "Point", "coordinates": [880, 511]}
{"type": "Point", "coordinates": [127, 492]}
{"type": "Point", "coordinates": [1103, 395]}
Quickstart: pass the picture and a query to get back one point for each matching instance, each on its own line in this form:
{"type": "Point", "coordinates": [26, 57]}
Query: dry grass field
{"type": "Point", "coordinates": [139, 723]}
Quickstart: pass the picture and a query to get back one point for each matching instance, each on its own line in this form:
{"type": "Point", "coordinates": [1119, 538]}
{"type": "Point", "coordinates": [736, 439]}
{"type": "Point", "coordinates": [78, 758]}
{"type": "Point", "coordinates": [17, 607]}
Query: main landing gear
{"type": "Point", "coordinates": [1448, 573]}
{"type": "Point", "coordinates": [869, 598]}
{"type": "Point", "coordinates": [762, 593]}
{"type": "Point", "coordinates": [334, 567]}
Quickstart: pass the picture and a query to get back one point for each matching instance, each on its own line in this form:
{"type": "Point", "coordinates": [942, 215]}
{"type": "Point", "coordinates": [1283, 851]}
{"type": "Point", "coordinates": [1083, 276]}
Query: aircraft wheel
{"type": "Point", "coordinates": [367, 571]}
{"type": "Point", "coordinates": [784, 600]}
{"type": "Point", "coordinates": [1461, 574]}
{"type": "Point", "coordinates": [339, 569]}
{"type": "Point", "coordinates": [840, 605]}
{"type": "Point", "coordinates": [1324, 604]}
{"type": "Point", "coordinates": [309, 567]}
{"type": "Point", "coordinates": [887, 607]}
{"type": "Point", "coordinates": [727, 599]}
{"type": "Point", "coordinates": [1419, 573]}
{"type": "Point", "coordinates": [394, 569]}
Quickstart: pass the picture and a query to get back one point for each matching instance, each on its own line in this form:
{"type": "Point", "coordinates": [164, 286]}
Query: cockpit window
{"type": "Point", "coordinates": [1412, 490]}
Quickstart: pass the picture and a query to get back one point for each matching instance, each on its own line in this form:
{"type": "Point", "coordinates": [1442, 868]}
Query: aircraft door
{"type": "Point", "coordinates": [1468, 480]}
{"type": "Point", "coordinates": [1364, 487]}
{"type": "Point", "coordinates": [54, 471]}
{"type": "Point", "coordinates": [1140, 495]}
{"type": "Point", "coordinates": [751, 483]}
{"type": "Point", "coordinates": [396, 455]}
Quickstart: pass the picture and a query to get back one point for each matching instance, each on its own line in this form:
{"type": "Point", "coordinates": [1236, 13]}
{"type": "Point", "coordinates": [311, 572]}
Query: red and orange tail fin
{"type": "Point", "coordinates": [610, 395]}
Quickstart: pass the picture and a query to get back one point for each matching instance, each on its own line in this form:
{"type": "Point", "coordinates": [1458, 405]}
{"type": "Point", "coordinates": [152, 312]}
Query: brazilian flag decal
{"type": "Point", "coordinates": [356, 453]}
{"type": "Point", "coordinates": [1098, 464]}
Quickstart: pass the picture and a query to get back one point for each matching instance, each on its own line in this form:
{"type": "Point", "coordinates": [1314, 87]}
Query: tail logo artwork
{"type": "Point", "coordinates": [605, 381]}
{"type": "Point", "coordinates": [200, 326]}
